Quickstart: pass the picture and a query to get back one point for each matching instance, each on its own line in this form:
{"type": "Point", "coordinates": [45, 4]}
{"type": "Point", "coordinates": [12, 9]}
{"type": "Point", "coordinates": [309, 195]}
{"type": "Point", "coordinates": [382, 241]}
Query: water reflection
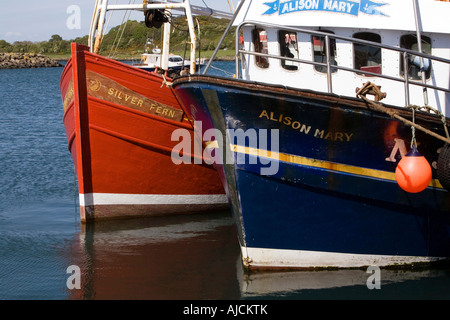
{"type": "Point", "coordinates": [197, 257]}
{"type": "Point", "coordinates": [347, 284]}
{"type": "Point", "coordinates": [179, 257]}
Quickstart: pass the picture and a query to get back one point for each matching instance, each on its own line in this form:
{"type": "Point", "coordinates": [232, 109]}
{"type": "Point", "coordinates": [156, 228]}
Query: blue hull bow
{"type": "Point", "coordinates": [330, 198]}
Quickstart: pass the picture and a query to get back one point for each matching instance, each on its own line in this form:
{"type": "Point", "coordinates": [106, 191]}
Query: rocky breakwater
{"type": "Point", "coordinates": [26, 60]}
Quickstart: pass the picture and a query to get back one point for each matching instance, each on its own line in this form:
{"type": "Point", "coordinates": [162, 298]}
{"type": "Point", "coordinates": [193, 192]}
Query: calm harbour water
{"type": "Point", "coordinates": [173, 258]}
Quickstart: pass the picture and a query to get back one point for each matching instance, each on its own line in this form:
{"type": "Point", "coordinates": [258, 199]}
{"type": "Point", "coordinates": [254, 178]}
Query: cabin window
{"type": "Point", "coordinates": [175, 59]}
{"type": "Point", "coordinates": [260, 44]}
{"type": "Point", "coordinates": [288, 48]}
{"type": "Point", "coordinates": [413, 64]}
{"type": "Point", "coordinates": [366, 57]}
{"type": "Point", "coordinates": [320, 52]}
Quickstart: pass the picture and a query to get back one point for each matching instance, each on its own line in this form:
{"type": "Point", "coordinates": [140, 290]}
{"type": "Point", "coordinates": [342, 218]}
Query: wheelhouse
{"type": "Point", "coordinates": [410, 65]}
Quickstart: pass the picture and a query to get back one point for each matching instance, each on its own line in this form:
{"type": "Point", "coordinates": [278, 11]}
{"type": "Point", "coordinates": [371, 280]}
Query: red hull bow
{"type": "Point", "coordinates": [119, 121]}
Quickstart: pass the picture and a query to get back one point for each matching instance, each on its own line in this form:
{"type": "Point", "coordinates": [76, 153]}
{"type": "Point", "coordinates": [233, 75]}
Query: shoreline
{"type": "Point", "coordinates": [26, 60]}
{"type": "Point", "coordinates": [35, 60]}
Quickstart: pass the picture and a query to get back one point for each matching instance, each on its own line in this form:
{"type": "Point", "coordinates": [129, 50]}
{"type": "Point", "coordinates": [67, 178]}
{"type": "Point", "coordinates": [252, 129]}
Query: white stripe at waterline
{"type": "Point", "coordinates": [267, 258]}
{"type": "Point", "coordinates": [89, 199]}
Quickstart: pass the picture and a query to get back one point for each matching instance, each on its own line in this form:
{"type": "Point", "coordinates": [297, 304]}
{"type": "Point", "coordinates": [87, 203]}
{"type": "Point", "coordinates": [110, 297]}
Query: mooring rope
{"type": "Point", "coordinates": [165, 82]}
{"type": "Point", "coordinates": [370, 88]}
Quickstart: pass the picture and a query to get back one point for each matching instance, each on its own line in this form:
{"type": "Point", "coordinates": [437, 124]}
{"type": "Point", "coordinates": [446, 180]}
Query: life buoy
{"type": "Point", "coordinates": [413, 172]}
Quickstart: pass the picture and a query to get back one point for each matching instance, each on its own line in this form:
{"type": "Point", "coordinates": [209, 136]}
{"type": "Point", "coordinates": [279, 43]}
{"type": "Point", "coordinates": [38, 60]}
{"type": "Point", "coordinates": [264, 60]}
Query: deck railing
{"type": "Point", "coordinates": [404, 53]}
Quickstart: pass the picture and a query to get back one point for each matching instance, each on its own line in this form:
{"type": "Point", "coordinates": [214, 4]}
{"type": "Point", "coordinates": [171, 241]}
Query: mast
{"type": "Point", "coordinates": [419, 48]}
{"type": "Point", "coordinates": [191, 35]}
{"type": "Point", "coordinates": [166, 44]}
{"type": "Point", "coordinates": [94, 23]}
{"type": "Point", "coordinates": [101, 22]}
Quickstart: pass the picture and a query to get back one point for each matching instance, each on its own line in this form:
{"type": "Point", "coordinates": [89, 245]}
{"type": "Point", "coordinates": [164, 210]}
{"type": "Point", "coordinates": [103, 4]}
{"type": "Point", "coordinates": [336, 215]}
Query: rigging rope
{"type": "Point", "coordinates": [121, 30]}
{"type": "Point", "coordinates": [109, 18]}
{"type": "Point", "coordinates": [231, 6]}
{"type": "Point", "coordinates": [230, 74]}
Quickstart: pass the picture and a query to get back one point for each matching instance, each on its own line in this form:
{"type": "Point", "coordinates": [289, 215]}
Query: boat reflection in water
{"type": "Point", "coordinates": [195, 257]}
{"type": "Point", "coordinates": [347, 284]}
{"type": "Point", "coordinates": [176, 257]}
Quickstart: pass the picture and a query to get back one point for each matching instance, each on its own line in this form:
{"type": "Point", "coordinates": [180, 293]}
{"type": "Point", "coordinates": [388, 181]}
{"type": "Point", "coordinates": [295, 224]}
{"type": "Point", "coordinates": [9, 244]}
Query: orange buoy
{"type": "Point", "coordinates": [413, 172]}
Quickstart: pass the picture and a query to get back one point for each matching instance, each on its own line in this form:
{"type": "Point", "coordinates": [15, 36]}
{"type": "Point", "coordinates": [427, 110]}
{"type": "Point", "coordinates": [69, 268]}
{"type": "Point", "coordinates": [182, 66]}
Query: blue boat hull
{"type": "Point", "coordinates": [333, 200]}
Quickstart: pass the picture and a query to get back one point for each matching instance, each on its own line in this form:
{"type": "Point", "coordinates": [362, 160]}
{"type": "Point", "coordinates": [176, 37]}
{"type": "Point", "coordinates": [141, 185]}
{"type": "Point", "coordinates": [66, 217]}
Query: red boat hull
{"type": "Point", "coordinates": [119, 121]}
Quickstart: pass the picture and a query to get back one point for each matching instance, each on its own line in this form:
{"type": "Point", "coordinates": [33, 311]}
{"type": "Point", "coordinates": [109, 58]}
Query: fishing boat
{"type": "Point", "coordinates": [119, 122]}
{"type": "Point", "coordinates": [332, 139]}
{"type": "Point", "coordinates": [150, 61]}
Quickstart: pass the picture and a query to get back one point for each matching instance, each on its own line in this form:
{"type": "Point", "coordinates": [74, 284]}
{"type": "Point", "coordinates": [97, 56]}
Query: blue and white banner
{"type": "Point", "coordinates": [339, 6]}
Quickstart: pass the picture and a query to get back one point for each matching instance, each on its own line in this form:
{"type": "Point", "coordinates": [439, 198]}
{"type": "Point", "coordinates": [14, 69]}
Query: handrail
{"type": "Point", "coordinates": [402, 51]}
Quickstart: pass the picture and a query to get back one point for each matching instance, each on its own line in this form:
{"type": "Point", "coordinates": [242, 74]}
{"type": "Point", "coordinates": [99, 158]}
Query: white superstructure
{"type": "Point", "coordinates": [300, 30]}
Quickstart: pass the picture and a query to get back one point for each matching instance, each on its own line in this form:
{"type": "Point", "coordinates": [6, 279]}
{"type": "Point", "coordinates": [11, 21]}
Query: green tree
{"type": "Point", "coordinates": [5, 46]}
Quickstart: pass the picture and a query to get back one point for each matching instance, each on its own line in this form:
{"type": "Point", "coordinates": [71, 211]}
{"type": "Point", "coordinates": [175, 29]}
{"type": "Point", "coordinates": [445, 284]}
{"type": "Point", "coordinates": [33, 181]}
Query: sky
{"type": "Point", "coordinates": [39, 20]}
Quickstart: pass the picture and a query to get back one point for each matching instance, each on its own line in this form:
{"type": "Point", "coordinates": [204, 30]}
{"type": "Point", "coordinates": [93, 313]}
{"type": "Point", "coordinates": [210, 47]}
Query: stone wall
{"type": "Point", "coordinates": [26, 60]}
